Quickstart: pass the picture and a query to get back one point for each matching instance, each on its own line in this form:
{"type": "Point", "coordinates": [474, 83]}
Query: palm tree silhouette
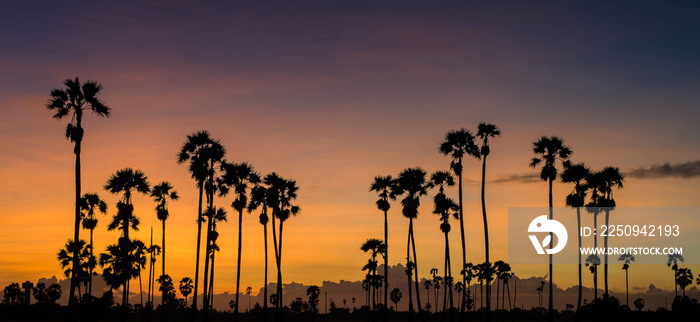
{"type": "Point", "coordinates": [76, 98]}
{"type": "Point", "coordinates": [437, 281]}
{"type": "Point", "coordinates": [549, 150]}
{"type": "Point", "coordinates": [428, 284]}
{"type": "Point", "coordinates": [445, 207]}
{"type": "Point", "coordinates": [385, 187]}
{"type": "Point", "coordinates": [88, 204]}
{"type": "Point", "coordinates": [186, 287]}
{"type": "Point", "coordinates": [593, 261]}
{"type": "Point", "coordinates": [153, 251]}
{"type": "Point", "coordinates": [594, 183]}
{"type": "Point", "coordinates": [577, 175]}
{"type": "Point", "coordinates": [161, 193]}
{"type": "Point", "coordinates": [215, 215]}
{"type": "Point", "coordinates": [610, 178]}
{"type": "Point", "coordinates": [684, 277]}
{"type": "Point", "coordinates": [258, 197]}
{"type": "Point", "coordinates": [468, 274]}
{"type": "Point", "coordinates": [458, 144]}
{"type": "Point", "coordinates": [240, 177]}
{"type": "Point", "coordinates": [374, 247]}
{"type": "Point", "coordinates": [67, 259]}
{"type": "Point", "coordinates": [412, 183]}
{"type": "Point", "coordinates": [627, 258]}
{"type": "Point", "coordinates": [673, 260]}
{"type": "Point", "coordinates": [484, 132]}
{"type": "Point", "coordinates": [279, 196]}
{"type": "Point", "coordinates": [203, 152]}
{"type": "Point", "coordinates": [396, 297]}
{"type": "Point", "coordinates": [248, 291]}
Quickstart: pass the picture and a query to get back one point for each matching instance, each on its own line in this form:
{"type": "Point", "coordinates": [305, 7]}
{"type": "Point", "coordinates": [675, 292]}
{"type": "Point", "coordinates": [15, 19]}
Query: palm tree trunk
{"type": "Point", "coordinates": [415, 265]}
{"type": "Point", "coordinates": [279, 276]}
{"type": "Point", "coordinates": [550, 316]}
{"type": "Point", "coordinates": [386, 267]}
{"type": "Point", "coordinates": [205, 293]}
{"type": "Point", "coordinates": [199, 240]}
{"type": "Point", "coordinates": [580, 274]}
{"type": "Point", "coordinates": [627, 286]}
{"type": "Point", "coordinates": [238, 268]}
{"type": "Point", "coordinates": [277, 262]}
{"type": "Point", "coordinates": [486, 238]}
{"type": "Point", "coordinates": [605, 268]}
{"type": "Point", "coordinates": [449, 274]}
{"type": "Point", "coordinates": [461, 228]}
{"type": "Point", "coordinates": [515, 293]}
{"type": "Point", "coordinates": [265, 287]}
{"type": "Point", "coordinates": [210, 294]}
{"type": "Point", "coordinates": [150, 268]}
{"type": "Point", "coordinates": [92, 255]}
{"type": "Point", "coordinates": [444, 292]}
{"type": "Point", "coordinates": [595, 269]}
{"type": "Point", "coordinates": [76, 234]}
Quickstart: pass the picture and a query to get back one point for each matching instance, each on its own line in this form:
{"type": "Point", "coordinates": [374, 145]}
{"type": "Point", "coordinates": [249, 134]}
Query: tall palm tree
{"type": "Point", "coordinates": [468, 274]}
{"type": "Point", "coordinates": [610, 178]}
{"type": "Point", "coordinates": [67, 260]}
{"type": "Point", "coordinates": [458, 144]}
{"type": "Point", "coordinates": [484, 132]}
{"type": "Point", "coordinates": [258, 199]}
{"type": "Point", "coordinates": [385, 186]}
{"type": "Point", "coordinates": [593, 261]}
{"type": "Point", "coordinates": [412, 182]}
{"type": "Point", "coordinates": [219, 215]}
{"type": "Point", "coordinates": [161, 193]}
{"type": "Point", "coordinates": [577, 175]}
{"type": "Point", "coordinates": [374, 247]}
{"type": "Point", "coordinates": [185, 287]}
{"type": "Point", "coordinates": [548, 151]}
{"type": "Point", "coordinates": [445, 207]}
{"type": "Point", "coordinates": [76, 98]}
{"type": "Point", "coordinates": [673, 260]}
{"type": "Point", "coordinates": [202, 151]}
{"type": "Point", "coordinates": [627, 258]}
{"type": "Point", "coordinates": [279, 197]}
{"type": "Point", "coordinates": [594, 184]}
{"type": "Point", "coordinates": [153, 252]}
{"type": "Point", "coordinates": [126, 181]}
{"type": "Point", "coordinates": [88, 204]}
{"type": "Point", "coordinates": [241, 177]}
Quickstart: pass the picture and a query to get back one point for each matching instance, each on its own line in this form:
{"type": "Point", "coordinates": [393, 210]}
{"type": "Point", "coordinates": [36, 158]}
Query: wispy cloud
{"type": "Point", "coordinates": [521, 178]}
{"type": "Point", "coordinates": [678, 170]}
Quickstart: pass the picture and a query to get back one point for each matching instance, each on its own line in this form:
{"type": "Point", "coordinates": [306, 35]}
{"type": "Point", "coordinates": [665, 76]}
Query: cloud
{"type": "Point", "coordinates": [521, 178]}
{"type": "Point", "coordinates": [679, 170]}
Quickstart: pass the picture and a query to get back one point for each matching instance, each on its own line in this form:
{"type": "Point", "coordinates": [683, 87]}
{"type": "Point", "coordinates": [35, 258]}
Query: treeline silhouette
{"type": "Point", "coordinates": [273, 197]}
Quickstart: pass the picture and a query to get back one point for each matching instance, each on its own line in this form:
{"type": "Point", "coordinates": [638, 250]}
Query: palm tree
{"type": "Point", "coordinates": [161, 193]}
{"type": "Point", "coordinates": [258, 199]}
{"type": "Point", "coordinates": [412, 183]}
{"type": "Point", "coordinates": [153, 251]}
{"type": "Point", "coordinates": [126, 181]}
{"type": "Point", "coordinates": [76, 98]}
{"type": "Point", "coordinates": [445, 207]}
{"type": "Point", "coordinates": [240, 177]}
{"type": "Point", "coordinates": [385, 186]}
{"type": "Point", "coordinates": [484, 132]}
{"type": "Point", "coordinates": [437, 281]}
{"type": "Point", "coordinates": [185, 287]}
{"type": "Point", "coordinates": [219, 215]}
{"type": "Point", "coordinates": [549, 150]}
{"type": "Point", "coordinates": [610, 178]}
{"type": "Point", "coordinates": [120, 263]}
{"type": "Point", "coordinates": [248, 291]}
{"type": "Point", "coordinates": [66, 258]}
{"type": "Point", "coordinates": [458, 144]}
{"type": "Point", "coordinates": [88, 204]}
{"type": "Point", "coordinates": [593, 261]}
{"type": "Point", "coordinates": [684, 277]}
{"type": "Point", "coordinates": [627, 258]}
{"type": "Point", "coordinates": [577, 175]}
{"type": "Point", "coordinates": [468, 274]}
{"type": "Point", "coordinates": [673, 264]}
{"type": "Point", "coordinates": [396, 297]}
{"type": "Point", "coordinates": [374, 247]}
{"type": "Point", "coordinates": [203, 152]}
{"type": "Point", "coordinates": [428, 284]}
{"type": "Point", "coordinates": [279, 196]}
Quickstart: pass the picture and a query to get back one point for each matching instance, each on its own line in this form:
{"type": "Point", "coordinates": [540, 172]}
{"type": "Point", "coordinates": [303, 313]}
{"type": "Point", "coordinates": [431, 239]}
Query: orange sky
{"type": "Point", "coordinates": [345, 97]}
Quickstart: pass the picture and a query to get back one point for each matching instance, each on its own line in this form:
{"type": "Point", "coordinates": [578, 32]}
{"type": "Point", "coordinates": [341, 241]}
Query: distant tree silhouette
{"type": "Point", "coordinates": [428, 284]}
{"type": "Point", "coordinates": [468, 274]}
{"type": "Point", "coordinates": [437, 281]}
{"type": "Point", "coordinates": [202, 151]}
{"type": "Point", "coordinates": [684, 277]}
{"type": "Point", "coordinates": [88, 204]}
{"type": "Point", "coordinates": [445, 208]}
{"type": "Point", "coordinates": [484, 132]}
{"type": "Point", "coordinates": [186, 287]}
{"type": "Point", "coordinates": [166, 288]}
{"type": "Point", "coordinates": [627, 258]}
{"type": "Point", "coordinates": [548, 151]}
{"type": "Point", "coordinates": [76, 98]}
{"type": "Point", "coordinates": [13, 295]}
{"type": "Point", "coordinates": [396, 297]}
{"type": "Point", "coordinates": [47, 295]}
{"type": "Point", "coordinates": [412, 183]}
{"type": "Point", "coordinates": [242, 178]}
{"type": "Point", "coordinates": [248, 291]}
{"type": "Point", "coordinates": [592, 262]}
{"type": "Point", "coordinates": [639, 304]}
{"type": "Point", "coordinates": [313, 292]}
{"type": "Point", "coordinates": [258, 199]}
{"type": "Point", "coordinates": [457, 145]}
{"type": "Point", "coordinates": [153, 251]}
{"type": "Point", "coordinates": [577, 175]}
{"type": "Point", "coordinates": [385, 187]}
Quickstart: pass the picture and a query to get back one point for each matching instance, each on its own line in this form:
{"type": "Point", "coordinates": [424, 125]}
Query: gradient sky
{"type": "Point", "coordinates": [332, 94]}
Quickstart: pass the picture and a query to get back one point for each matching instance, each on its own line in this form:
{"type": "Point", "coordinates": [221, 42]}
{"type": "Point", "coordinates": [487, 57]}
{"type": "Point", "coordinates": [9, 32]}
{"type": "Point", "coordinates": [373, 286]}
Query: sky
{"type": "Point", "coordinates": [331, 94]}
